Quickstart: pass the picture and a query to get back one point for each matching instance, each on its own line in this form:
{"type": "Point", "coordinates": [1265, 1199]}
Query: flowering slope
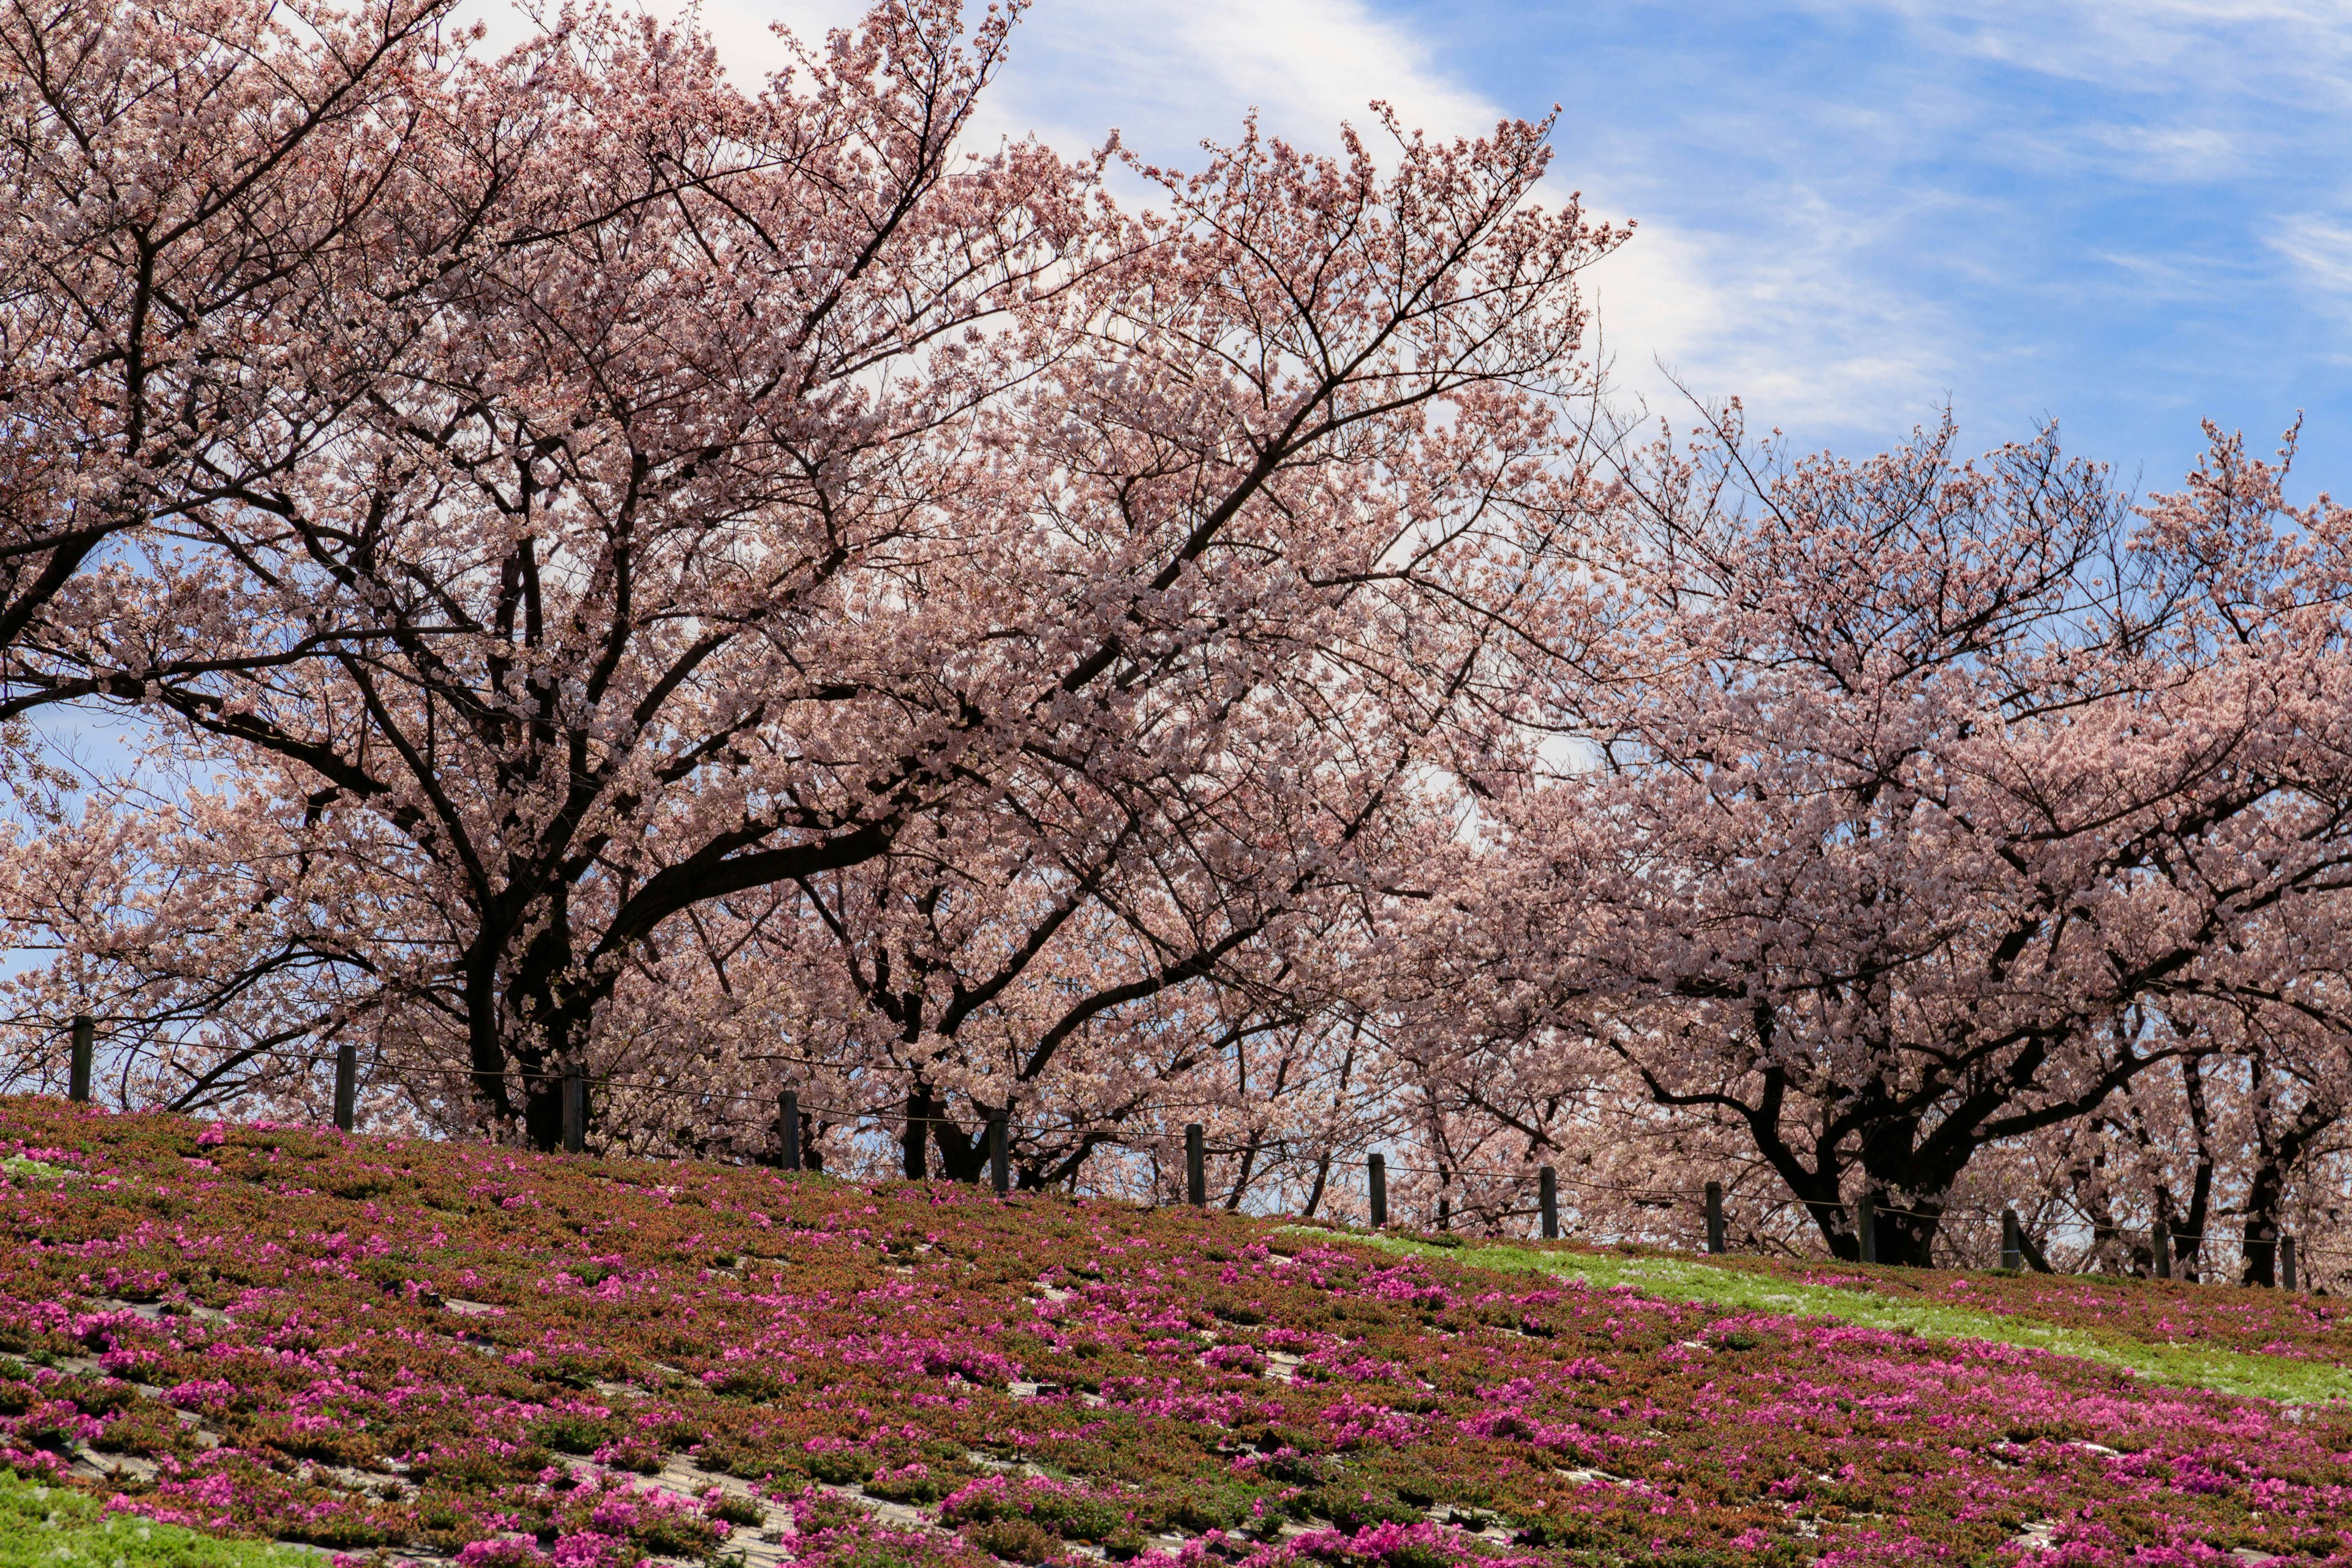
{"type": "Point", "coordinates": [509, 1360]}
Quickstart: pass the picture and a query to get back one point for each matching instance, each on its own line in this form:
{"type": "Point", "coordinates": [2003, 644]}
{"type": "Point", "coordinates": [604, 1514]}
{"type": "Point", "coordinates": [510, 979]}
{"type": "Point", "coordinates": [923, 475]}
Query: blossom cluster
{"type": "Point", "coordinates": [522, 1362]}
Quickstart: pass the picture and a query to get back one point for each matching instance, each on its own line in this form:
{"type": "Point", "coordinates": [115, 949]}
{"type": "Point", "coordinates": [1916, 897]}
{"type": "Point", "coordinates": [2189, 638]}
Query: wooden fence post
{"type": "Point", "coordinates": [1866, 1227]}
{"type": "Point", "coordinates": [347, 1085]}
{"type": "Point", "coordinates": [1714, 1217]}
{"type": "Point", "coordinates": [999, 1154]}
{"type": "Point", "coordinates": [2012, 1241]}
{"type": "Point", "coordinates": [1376, 1171]}
{"type": "Point", "coordinates": [1548, 1200]}
{"type": "Point", "coordinates": [1196, 1166]}
{"type": "Point", "coordinates": [84, 1045]}
{"type": "Point", "coordinates": [2160, 1243]}
{"type": "Point", "coordinates": [788, 1127]}
{"type": "Point", "coordinates": [2286, 1262]}
{"type": "Point", "coordinates": [575, 1107]}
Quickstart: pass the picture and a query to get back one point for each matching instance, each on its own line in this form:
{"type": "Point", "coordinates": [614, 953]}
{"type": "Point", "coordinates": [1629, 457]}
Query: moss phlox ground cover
{"type": "Point", "coordinates": [517, 1362]}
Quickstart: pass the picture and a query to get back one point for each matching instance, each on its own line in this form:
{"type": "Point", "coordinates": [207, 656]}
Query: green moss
{"type": "Point", "coordinates": [50, 1527]}
{"type": "Point", "coordinates": [1690, 1279]}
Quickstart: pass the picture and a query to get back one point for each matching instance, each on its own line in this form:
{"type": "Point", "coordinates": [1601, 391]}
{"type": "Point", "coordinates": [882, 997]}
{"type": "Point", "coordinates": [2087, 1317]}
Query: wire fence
{"type": "Point", "coordinates": [2278, 1254]}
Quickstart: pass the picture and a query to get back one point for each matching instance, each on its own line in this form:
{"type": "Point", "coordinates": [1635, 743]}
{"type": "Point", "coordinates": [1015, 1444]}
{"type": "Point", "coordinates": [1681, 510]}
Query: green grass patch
{"type": "Point", "coordinates": [1689, 1280]}
{"type": "Point", "coordinates": [50, 1527]}
{"type": "Point", "coordinates": [18, 1168]}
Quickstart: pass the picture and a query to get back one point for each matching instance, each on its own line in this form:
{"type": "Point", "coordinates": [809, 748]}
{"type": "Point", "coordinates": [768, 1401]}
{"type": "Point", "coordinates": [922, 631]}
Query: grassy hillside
{"type": "Point", "coordinates": [2272, 1345]}
{"type": "Point", "coordinates": [427, 1350]}
{"type": "Point", "coordinates": [43, 1526]}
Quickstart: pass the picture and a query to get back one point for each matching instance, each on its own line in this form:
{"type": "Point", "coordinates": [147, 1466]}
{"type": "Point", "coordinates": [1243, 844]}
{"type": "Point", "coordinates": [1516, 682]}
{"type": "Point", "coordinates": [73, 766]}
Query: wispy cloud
{"type": "Point", "coordinates": [2321, 250]}
{"type": "Point", "coordinates": [1167, 75]}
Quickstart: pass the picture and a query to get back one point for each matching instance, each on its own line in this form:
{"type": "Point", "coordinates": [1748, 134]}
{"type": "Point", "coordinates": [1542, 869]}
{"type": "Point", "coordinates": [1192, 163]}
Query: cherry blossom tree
{"type": "Point", "coordinates": [1935, 803]}
{"type": "Point", "coordinates": [762, 480]}
{"type": "Point", "coordinates": [675, 383]}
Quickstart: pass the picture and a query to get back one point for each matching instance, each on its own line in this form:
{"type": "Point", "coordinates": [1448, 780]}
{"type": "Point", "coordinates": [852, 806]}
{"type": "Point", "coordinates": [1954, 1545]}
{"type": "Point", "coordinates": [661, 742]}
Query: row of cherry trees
{"type": "Point", "coordinates": [547, 560]}
{"type": "Point", "coordinates": [1942, 820]}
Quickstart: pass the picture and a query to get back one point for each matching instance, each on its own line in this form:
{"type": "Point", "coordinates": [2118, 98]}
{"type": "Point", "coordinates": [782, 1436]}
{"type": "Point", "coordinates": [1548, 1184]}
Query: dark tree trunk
{"type": "Point", "coordinates": [2189, 1227]}
{"type": "Point", "coordinates": [2278, 1150]}
{"type": "Point", "coordinates": [1905, 1229]}
{"type": "Point", "coordinates": [2036, 1258]}
{"type": "Point", "coordinates": [917, 1137]}
{"type": "Point", "coordinates": [490, 1053]}
{"type": "Point", "coordinates": [2261, 1252]}
{"type": "Point", "coordinates": [963, 1156]}
{"type": "Point", "coordinates": [1315, 1194]}
{"type": "Point", "coordinates": [542, 1105]}
{"type": "Point", "coordinates": [552, 1028]}
{"type": "Point", "coordinates": [2187, 1249]}
{"type": "Point", "coordinates": [485, 1048]}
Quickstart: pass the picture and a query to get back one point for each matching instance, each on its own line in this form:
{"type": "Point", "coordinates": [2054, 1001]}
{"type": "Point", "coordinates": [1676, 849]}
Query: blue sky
{"type": "Point", "coordinates": [2126, 215]}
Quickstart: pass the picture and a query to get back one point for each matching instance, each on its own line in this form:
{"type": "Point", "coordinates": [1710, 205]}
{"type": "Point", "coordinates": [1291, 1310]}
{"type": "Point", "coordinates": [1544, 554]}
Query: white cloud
{"type": "Point", "coordinates": [1789, 324]}
{"type": "Point", "coordinates": [2171, 154]}
{"type": "Point", "coordinates": [2320, 251]}
{"type": "Point", "coordinates": [1164, 74]}
{"type": "Point", "coordinates": [1784, 320]}
{"type": "Point", "coordinates": [1167, 75]}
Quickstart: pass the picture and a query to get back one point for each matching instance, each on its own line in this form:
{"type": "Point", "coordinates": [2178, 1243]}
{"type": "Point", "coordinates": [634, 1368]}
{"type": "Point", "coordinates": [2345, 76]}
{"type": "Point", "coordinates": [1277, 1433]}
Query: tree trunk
{"type": "Point", "coordinates": [1830, 1215]}
{"type": "Point", "coordinates": [915, 1138]}
{"type": "Point", "coordinates": [1905, 1229]}
{"type": "Point", "coordinates": [553, 1030]}
{"type": "Point", "coordinates": [2189, 1229]}
{"type": "Point", "coordinates": [2188, 1248]}
{"type": "Point", "coordinates": [1315, 1194]}
{"type": "Point", "coordinates": [2278, 1151]}
{"type": "Point", "coordinates": [2261, 1252]}
{"type": "Point", "coordinates": [963, 1156]}
{"type": "Point", "coordinates": [2266, 1195]}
